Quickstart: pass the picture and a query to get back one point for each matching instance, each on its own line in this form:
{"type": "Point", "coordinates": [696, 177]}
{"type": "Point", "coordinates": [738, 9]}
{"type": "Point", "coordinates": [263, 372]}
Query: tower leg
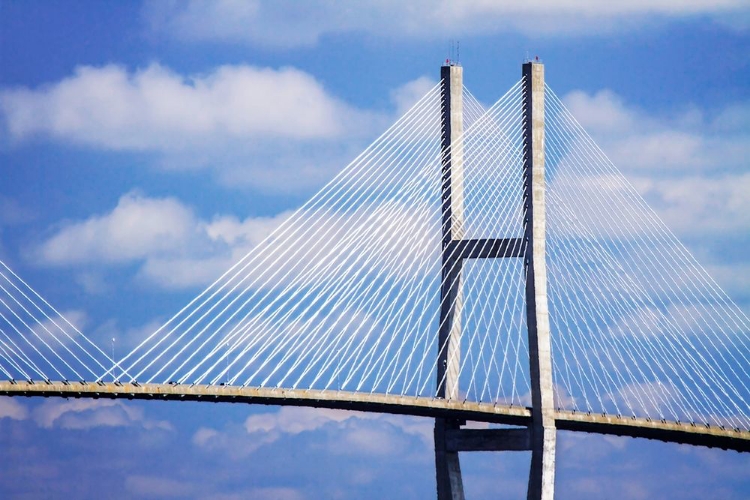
{"type": "Point", "coordinates": [542, 471]}
{"type": "Point", "coordinates": [447, 466]}
{"type": "Point", "coordinates": [543, 434]}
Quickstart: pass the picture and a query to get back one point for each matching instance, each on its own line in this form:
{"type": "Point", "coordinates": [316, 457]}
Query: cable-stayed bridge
{"type": "Point", "coordinates": [470, 264]}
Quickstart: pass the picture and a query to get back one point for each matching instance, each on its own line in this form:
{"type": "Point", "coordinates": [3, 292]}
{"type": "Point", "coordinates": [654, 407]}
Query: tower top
{"type": "Point", "coordinates": [536, 60]}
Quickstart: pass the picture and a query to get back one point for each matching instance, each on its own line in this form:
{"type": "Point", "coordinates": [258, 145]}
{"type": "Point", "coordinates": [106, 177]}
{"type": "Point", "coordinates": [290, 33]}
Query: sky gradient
{"type": "Point", "coordinates": [145, 146]}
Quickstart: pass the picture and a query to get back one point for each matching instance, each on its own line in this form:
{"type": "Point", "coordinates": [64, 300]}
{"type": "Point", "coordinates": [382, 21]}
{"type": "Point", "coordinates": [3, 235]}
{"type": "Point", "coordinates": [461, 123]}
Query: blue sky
{"type": "Point", "coordinates": [144, 146]}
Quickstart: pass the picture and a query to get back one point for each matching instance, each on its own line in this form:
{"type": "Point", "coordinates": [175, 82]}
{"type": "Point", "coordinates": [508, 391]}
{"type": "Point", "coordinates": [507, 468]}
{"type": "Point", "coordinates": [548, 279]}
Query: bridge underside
{"type": "Point", "coordinates": [666, 431]}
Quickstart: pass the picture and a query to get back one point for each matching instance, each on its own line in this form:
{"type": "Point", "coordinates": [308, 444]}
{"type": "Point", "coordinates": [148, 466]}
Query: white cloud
{"type": "Point", "coordinates": [409, 93]}
{"type": "Point", "coordinates": [278, 130]}
{"type": "Point", "coordinates": [275, 493]}
{"type": "Point", "coordinates": [273, 24]}
{"type": "Point", "coordinates": [175, 248]}
{"type": "Point", "coordinates": [700, 206]}
{"type": "Point", "coordinates": [294, 420]}
{"type": "Point", "coordinates": [358, 432]}
{"type": "Point", "coordinates": [156, 109]}
{"type": "Point", "coordinates": [274, 129]}
{"type": "Point", "coordinates": [89, 413]}
{"type": "Point", "coordinates": [685, 142]}
{"type": "Point", "coordinates": [690, 167]}
{"type": "Point", "coordinates": [12, 408]}
{"type": "Point", "coordinates": [94, 283]}
{"type": "Point", "coordinates": [136, 228]}
{"type": "Point", "coordinates": [153, 486]}
{"type": "Point", "coordinates": [226, 240]}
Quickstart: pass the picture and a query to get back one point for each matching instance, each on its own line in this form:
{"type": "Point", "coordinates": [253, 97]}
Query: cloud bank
{"type": "Point", "coordinates": [81, 414]}
{"type": "Point", "coordinates": [155, 108]}
{"type": "Point", "coordinates": [691, 167]}
{"type": "Point", "coordinates": [174, 248]}
{"type": "Point", "coordinates": [278, 130]}
{"type": "Point", "coordinates": [269, 24]}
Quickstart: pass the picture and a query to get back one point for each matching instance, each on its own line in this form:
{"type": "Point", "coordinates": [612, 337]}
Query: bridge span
{"type": "Point", "coordinates": [471, 264]}
{"type": "Point", "coordinates": [661, 430]}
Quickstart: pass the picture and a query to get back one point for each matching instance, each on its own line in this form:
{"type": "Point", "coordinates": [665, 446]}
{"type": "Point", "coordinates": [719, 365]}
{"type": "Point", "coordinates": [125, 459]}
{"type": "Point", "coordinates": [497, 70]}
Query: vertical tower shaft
{"type": "Point", "coordinates": [543, 434]}
{"type": "Point", "coordinates": [540, 437]}
{"type": "Point", "coordinates": [447, 466]}
{"type": "Point", "coordinates": [452, 189]}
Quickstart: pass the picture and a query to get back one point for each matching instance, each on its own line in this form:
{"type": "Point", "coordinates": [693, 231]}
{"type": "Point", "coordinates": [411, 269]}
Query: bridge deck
{"type": "Point", "coordinates": [674, 432]}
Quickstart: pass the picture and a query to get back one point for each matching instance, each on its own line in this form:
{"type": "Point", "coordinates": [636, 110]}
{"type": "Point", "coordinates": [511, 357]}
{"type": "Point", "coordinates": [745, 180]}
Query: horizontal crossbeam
{"type": "Point", "coordinates": [488, 439]}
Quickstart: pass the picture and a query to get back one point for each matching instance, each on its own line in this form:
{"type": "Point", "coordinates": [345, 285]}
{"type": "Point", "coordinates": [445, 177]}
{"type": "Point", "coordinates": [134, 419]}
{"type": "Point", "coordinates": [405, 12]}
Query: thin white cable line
{"type": "Point", "coordinates": [10, 352]}
{"type": "Point", "coordinates": [277, 259]}
{"type": "Point", "coordinates": [44, 327]}
{"type": "Point", "coordinates": [313, 270]}
{"type": "Point", "coordinates": [687, 388]}
{"type": "Point", "coordinates": [588, 280]}
{"type": "Point", "coordinates": [687, 339]}
{"type": "Point", "coordinates": [13, 326]}
{"type": "Point", "coordinates": [281, 230]}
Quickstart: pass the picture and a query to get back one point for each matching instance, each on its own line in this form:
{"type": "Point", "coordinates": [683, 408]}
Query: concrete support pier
{"type": "Point", "coordinates": [543, 432]}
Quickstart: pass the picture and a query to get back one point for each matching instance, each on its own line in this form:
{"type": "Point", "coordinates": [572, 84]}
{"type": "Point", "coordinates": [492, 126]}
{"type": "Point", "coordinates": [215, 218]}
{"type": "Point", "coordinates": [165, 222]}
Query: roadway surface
{"type": "Point", "coordinates": [662, 430]}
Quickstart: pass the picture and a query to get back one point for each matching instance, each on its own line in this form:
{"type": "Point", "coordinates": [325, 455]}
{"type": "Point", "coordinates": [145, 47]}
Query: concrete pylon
{"type": "Point", "coordinates": [543, 433]}
{"type": "Point", "coordinates": [447, 466]}
{"type": "Point", "coordinates": [540, 436]}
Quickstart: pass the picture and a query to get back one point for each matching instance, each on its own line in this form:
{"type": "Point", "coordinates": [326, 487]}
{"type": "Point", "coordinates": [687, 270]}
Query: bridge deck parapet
{"type": "Point", "coordinates": [673, 432]}
{"type": "Point", "coordinates": [345, 400]}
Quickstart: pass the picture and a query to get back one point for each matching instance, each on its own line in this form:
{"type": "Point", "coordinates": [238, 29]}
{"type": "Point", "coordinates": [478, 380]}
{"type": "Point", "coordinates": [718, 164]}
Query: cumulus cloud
{"type": "Point", "coordinates": [277, 130]}
{"type": "Point", "coordinates": [358, 432]}
{"type": "Point", "coordinates": [138, 227]}
{"type": "Point", "coordinates": [688, 141]}
{"type": "Point", "coordinates": [691, 166]}
{"type": "Point", "coordinates": [226, 239]}
{"type": "Point", "coordinates": [155, 109]}
{"type": "Point", "coordinates": [12, 408]}
{"type": "Point", "coordinates": [86, 414]}
{"type": "Point", "coordinates": [173, 248]}
{"type": "Point", "coordinates": [701, 206]}
{"type": "Point", "coordinates": [270, 24]}
{"type": "Point", "coordinates": [162, 234]}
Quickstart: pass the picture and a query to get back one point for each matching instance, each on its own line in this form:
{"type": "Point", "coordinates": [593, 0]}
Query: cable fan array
{"type": "Point", "coordinates": [638, 326]}
{"type": "Point", "coordinates": [344, 295]}
{"type": "Point", "coordinates": [37, 343]}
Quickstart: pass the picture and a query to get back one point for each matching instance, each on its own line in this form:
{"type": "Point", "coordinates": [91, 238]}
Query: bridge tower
{"type": "Point", "coordinates": [447, 466]}
{"type": "Point", "coordinates": [540, 436]}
